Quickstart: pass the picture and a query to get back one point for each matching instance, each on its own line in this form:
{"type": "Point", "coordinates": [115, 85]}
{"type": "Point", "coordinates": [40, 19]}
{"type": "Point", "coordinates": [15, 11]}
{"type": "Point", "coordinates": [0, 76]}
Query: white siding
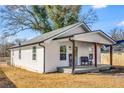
{"type": "Point", "coordinates": [92, 37]}
{"type": "Point", "coordinates": [65, 62]}
{"type": "Point", "coordinates": [52, 56]}
{"type": "Point", "coordinates": [83, 49]}
{"type": "Point", "coordinates": [26, 61]}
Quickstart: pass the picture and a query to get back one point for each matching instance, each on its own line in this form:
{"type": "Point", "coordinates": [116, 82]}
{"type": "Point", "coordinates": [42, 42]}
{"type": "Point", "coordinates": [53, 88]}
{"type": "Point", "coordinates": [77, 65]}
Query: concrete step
{"type": "Point", "coordinates": [64, 70]}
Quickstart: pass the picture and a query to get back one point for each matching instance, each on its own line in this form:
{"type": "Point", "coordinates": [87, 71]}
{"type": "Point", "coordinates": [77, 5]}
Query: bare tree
{"type": "Point", "coordinates": [18, 41]}
{"type": "Point", "coordinates": [17, 18]}
{"type": "Point", "coordinates": [38, 18]}
{"type": "Point", "coordinates": [5, 44]}
{"type": "Point", "coordinates": [88, 17]}
{"type": "Point", "coordinates": [118, 34]}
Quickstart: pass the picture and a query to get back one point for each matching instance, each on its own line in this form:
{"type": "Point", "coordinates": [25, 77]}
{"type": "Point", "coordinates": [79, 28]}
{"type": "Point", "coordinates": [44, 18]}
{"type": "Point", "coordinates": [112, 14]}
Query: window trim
{"type": "Point", "coordinates": [34, 53]}
{"type": "Point", "coordinates": [65, 54]}
{"type": "Point", "coordinates": [19, 55]}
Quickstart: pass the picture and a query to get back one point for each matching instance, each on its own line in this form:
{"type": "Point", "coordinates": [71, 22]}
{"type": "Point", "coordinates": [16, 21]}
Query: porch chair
{"type": "Point", "coordinates": [85, 60]}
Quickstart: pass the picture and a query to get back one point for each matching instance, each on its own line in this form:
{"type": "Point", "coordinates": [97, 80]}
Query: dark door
{"type": "Point", "coordinates": [76, 57]}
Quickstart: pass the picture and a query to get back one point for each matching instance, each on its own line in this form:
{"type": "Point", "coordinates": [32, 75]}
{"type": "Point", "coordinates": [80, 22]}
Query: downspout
{"type": "Point", "coordinates": [44, 57]}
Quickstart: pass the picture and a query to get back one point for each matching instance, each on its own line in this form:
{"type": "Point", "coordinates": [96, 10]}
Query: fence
{"type": "Point", "coordinates": [118, 58]}
{"type": "Point", "coordinates": [4, 59]}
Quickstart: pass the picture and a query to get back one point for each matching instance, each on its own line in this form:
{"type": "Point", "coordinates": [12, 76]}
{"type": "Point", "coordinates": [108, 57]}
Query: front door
{"type": "Point", "coordinates": [76, 57]}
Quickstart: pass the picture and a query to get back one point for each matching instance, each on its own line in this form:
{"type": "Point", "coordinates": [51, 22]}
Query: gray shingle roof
{"type": "Point", "coordinates": [53, 33]}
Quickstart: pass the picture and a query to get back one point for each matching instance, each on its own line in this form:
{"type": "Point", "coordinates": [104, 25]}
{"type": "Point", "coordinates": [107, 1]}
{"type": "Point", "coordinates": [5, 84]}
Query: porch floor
{"type": "Point", "coordinates": [84, 69]}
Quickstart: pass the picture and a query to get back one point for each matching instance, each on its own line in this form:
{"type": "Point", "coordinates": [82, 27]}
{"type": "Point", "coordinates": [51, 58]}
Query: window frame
{"type": "Point", "coordinates": [19, 55]}
{"type": "Point", "coordinates": [34, 53]}
{"type": "Point", "coordinates": [63, 53]}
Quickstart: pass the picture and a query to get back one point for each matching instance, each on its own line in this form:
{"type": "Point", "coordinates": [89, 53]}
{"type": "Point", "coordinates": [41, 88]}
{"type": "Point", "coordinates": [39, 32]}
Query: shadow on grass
{"type": "Point", "coordinates": [117, 71]}
{"type": "Point", "coordinates": [5, 82]}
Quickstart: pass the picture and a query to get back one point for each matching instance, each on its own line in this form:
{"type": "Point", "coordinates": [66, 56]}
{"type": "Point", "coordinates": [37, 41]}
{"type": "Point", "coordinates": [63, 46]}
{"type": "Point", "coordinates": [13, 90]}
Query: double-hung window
{"type": "Point", "coordinates": [19, 53]}
{"type": "Point", "coordinates": [34, 53]}
{"type": "Point", "coordinates": [62, 52]}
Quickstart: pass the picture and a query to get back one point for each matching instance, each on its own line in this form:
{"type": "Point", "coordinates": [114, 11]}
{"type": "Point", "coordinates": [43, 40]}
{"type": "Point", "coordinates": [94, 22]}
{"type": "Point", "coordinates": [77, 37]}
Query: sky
{"type": "Point", "coordinates": [109, 17]}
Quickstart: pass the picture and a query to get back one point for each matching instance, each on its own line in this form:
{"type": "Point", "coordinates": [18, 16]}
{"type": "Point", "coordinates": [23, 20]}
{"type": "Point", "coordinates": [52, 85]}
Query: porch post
{"type": "Point", "coordinates": [73, 56]}
{"type": "Point", "coordinates": [95, 54]}
{"type": "Point", "coordinates": [111, 53]}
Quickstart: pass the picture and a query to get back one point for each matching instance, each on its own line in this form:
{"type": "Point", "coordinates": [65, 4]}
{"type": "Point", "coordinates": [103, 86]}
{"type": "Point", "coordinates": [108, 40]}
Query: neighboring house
{"type": "Point", "coordinates": [62, 47]}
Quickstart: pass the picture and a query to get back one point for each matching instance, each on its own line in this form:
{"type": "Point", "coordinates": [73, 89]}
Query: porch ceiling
{"type": "Point", "coordinates": [96, 37]}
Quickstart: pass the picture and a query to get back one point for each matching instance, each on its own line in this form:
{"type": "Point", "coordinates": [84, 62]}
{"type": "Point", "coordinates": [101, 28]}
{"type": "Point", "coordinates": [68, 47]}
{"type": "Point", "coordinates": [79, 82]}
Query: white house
{"type": "Point", "coordinates": [59, 48]}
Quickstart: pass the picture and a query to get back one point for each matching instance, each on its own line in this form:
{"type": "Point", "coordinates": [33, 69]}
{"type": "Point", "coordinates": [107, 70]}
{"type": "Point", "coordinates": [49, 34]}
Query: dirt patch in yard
{"type": "Point", "coordinates": [5, 82]}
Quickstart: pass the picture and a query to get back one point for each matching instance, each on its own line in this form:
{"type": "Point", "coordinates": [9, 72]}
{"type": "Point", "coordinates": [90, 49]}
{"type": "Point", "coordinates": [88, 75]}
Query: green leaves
{"type": "Point", "coordinates": [54, 17]}
{"type": "Point", "coordinates": [43, 19]}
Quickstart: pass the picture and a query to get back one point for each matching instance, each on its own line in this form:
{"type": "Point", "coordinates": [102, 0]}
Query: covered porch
{"type": "Point", "coordinates": [95, 39]}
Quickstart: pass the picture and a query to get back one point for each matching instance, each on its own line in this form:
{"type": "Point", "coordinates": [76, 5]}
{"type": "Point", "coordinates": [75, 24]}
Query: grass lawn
{"type": "Point", "coordinates": [22, 78]}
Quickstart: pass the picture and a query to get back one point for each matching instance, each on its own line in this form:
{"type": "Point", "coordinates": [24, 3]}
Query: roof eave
{"type": "Point", "coordinates": [25, 45]}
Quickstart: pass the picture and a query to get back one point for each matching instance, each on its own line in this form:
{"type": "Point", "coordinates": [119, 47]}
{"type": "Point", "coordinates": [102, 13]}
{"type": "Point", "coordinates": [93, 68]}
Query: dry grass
{"type": "Point", "coordinates": [22, 78]}
{"type": "Point", "coordinates": [4, 81]}
{"type": "Point", "coordinates": [118, 59]}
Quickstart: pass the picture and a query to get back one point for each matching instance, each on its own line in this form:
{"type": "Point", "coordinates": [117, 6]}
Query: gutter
{"type": "Point", "coordinates": [25, 45]}
{"type": "Point", "coordinates": [44, 57]}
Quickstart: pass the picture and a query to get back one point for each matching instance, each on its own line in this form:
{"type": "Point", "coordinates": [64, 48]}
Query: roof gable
{"type": "Point", "coordinates": [98, 37]}
{"type": "Point", "coordinates": [56, 33]}
{"type": "Point", "coordinates": [77, 30]}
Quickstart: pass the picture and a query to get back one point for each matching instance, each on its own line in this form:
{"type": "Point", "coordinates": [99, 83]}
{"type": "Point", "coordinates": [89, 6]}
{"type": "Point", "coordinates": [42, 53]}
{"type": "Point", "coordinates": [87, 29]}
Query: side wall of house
{"type": "Point", "coordinates": [52, 56]}
{"type": "Point", "coordinates": [26, 61]}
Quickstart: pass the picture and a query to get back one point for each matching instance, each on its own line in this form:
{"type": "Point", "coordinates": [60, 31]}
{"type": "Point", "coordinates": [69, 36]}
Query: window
{"type": "Point", "coordinates": [19, 53]}
{"type": "Point", "coordinates": [90, 56]}
{"type": "Point", "coordinates": [90, 53]}
{"type": "Point", "coordinates": [34, 53]}
{"type": "Point", "coordinates": [62, 52]}
{"type": "Point", "coordinates": [12, 52]}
